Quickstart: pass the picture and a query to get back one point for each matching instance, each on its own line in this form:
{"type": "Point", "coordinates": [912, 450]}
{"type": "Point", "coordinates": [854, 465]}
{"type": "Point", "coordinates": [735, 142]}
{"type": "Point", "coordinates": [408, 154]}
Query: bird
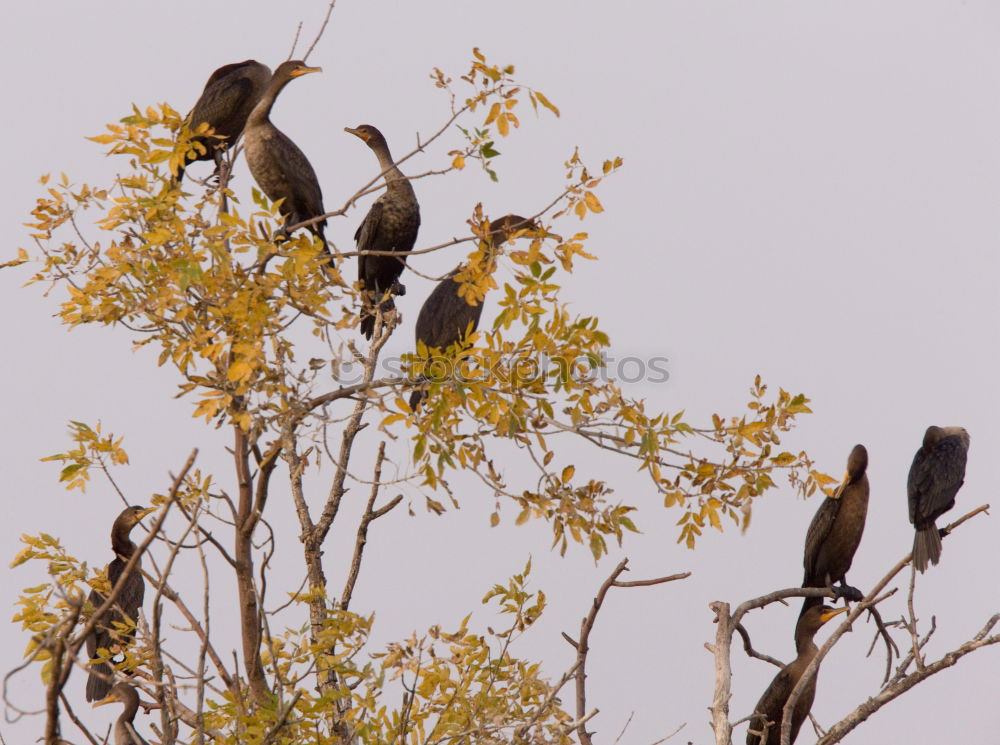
{"type": "Point", "coordinates": [229, 96]}
{"type": "Point", "coordinates": [125, 609]}
{"type": "Point", "coordinates": [125, 733]}
{"type": "Point", "coordinates": [390, 225]}
{"type": "Point", "coordinates": [767, 714]}
{"type": "Point", "coordinates": [937, 473]}
{"type": "Point", "coordinates": [279, 167]}
{"type": "Point", "coordinates": [446, 317]}
{"type": "Point", "coordinates": [835, 531]}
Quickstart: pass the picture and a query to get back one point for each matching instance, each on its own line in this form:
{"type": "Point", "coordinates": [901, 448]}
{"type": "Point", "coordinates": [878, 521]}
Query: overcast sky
{"type": "Point", "coordinates": [810, 193]}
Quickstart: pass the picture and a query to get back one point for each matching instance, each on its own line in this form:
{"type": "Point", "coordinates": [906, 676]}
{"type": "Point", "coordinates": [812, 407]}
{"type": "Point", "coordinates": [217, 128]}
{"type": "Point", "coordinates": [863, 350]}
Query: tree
{"type": "Point", "coordinates": [256, 346]}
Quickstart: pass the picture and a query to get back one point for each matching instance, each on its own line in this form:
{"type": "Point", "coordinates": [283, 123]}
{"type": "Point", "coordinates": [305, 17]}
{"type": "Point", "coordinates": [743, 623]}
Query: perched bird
{"type": "Point", "coordinates": [280, 169]}
{"type": "Point", "coordinates": [446, 317]}
{"type": "Point", "coordinates": [125, 733]}
{"type": "Point", "coordinates": [767, 714]}
{"type": "Point", "coordinates": [937, 473]}
{"type": "Point", "coordinates": [390, 225]}
{"type": "Point", "coordinates": [229, 96]}
{"type": "Point", "coordinates": [835, 531]}
{"type": "Point", "coordinates": [126, 607]}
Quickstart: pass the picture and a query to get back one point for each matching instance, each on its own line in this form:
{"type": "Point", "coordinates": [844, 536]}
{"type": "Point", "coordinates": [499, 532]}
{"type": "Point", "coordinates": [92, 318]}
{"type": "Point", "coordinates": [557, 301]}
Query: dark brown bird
{"type": "Point", "coordinates": [126, 607]}
{"type": "Point", "coordinates": [125, 733]}
{"type": "Point", "coordinates": [280, 169]}
{"type": "Point", "coordinates": [227, 100]}
{"type": "Point", "coordinates": [767, 714]}
{"type": "Point", "coordinates": [835, 531]}
{"type": "Point", "coordinates": [446, 317]}
{"type": "Point", "coordinates": [390, 225]}
{"type": "Point", "coordinates": [937, 473]}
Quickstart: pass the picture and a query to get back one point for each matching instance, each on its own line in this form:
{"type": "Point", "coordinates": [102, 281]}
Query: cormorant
{"type": "Point", "coordinates": [835, 531]}
{"type": "Point", "coordinates": [125, 733]}
{"type": "Point", "coordinates": [280, 169]}
{"type": "Point", "coordinates": [227, 100]}
{"type": "Point", "coordinates": [390, 225]}
{"type": "Point", "coordinates": [104, 635]}
{"type": "Point", "coordinates": [446, 317]}
{"type": "Point", "coordinates": [768, 712]}
{"type": "Point", "coordinates": [937, 473]}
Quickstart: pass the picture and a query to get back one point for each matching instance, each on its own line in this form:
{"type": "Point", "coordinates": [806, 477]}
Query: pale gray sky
{"type": "Point", "coordinates": [810, 192]}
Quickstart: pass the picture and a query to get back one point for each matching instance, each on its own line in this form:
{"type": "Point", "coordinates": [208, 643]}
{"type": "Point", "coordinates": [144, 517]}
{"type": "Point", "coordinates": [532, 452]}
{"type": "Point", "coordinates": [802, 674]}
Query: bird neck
{"type": "Point", "coordinates": [121, 544]}
{"type": "Point", "coordinates": [391, 172]}
{"type": "Point", "coordinates": [131, 709]}
{"type": "Point", "coordinates": [806, 647]}
{"type": "Point", "coordinates": [262, 111]}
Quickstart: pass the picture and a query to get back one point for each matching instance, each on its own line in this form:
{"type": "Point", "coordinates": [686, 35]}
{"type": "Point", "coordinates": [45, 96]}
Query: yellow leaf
{"type": "Point", "coordinates": [458, 162]}
{"type": "Point", "coordinates": [239, 371]}
{"type": "Point", "coordinates": [502, 126]}
{"type": "Point", "coordinates": [567, 474]}
{"type": "Point", "coordinates": [494, 520]}
{"type": "Point", "coordinates": [592, 202]}
{"type": "Point", "coordinates": [546, 103]}
{"type": "Point", "coordinates": [494, 113]}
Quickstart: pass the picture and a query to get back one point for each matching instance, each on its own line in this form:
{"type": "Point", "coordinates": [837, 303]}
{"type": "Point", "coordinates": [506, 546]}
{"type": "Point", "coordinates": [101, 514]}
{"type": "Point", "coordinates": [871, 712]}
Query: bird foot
{"type": "Point", "coordinates": [852, 594]}
{"type": "Point", "coordinates": [398, 289]}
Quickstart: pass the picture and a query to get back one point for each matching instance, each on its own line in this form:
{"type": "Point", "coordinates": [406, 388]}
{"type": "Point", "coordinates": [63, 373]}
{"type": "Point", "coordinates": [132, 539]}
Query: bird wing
{"type": "Point", "coordinates": [446, 317]}
{"type": "Point", "coordinates": [819, 529]}
{"type": "Point", "coordinates": [771, 705]}
{"type": "Point", "coordinates": [936, 475]}
{"type": "Point", "coordinates": [300, 178]}
{"type": "Point", "coordinates": [96, 600]}
{"type": "Point", "coordinates": [228, 105]}
{"type": "Point", "coordinates": [367, 239]}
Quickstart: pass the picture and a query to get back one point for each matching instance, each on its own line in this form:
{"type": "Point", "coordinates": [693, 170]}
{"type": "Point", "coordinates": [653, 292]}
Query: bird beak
{"type": "Point", "coordinates": [843, 485]}
{"type": "Point", "coordinates": [106, 700]}
{"type": "Point", "coordinates": [827, 615]}
{"type": "Point", "coordinates": [305, 71]}
{"type": "Point", "coordinates": [356, 133]}
{"type": "Point", "coordinates": [147, 511]}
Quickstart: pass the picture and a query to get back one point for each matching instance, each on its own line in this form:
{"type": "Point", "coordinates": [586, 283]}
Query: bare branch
{"type": "Point", "coordinates": [838, 731]}
{"type": "Point", "coordinates": [366, 519]}
{"type": "Point", "coordinates": [651, 582]}
{"type": "Point", "coordinates": [751, 652]}
{"type": "Point", "coordinates": [322, 28]}
{"type": "Point", "coordinates": [582, 646]}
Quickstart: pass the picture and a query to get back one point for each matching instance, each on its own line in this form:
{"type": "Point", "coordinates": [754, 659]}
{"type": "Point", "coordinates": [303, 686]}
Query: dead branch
{"type": "Point", "coordinates": [362, 537]}
{"type": "Point", "coordinates": [838, 731]}
{"type": "Point", "coordinates": [751, 652]}
{"type": "Point", "coordinates": [322, 29]}
{"type": "Point", "coordinates": [582, 645]}
{"type": "Point", "coordinates": [76, 720]}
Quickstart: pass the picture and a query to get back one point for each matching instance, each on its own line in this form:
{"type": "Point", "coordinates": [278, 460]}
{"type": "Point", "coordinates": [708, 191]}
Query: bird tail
{"type": "Point", "coordinates": [926, 547]}
{"type": "Point", "coordinates": [368, 316]}
{"type": "Point", "coordinates": [99, 681]}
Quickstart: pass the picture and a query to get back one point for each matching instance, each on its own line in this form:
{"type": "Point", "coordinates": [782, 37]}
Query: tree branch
{"type": "Point", "coordinates": [582, 646]}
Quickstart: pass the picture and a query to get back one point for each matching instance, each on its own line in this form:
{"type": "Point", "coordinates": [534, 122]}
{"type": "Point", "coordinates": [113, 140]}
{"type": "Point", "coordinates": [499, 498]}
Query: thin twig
{"type": "Point", "coordinates": [322, 28]}
{"type": "Point", "coordinates": [751, 652]}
